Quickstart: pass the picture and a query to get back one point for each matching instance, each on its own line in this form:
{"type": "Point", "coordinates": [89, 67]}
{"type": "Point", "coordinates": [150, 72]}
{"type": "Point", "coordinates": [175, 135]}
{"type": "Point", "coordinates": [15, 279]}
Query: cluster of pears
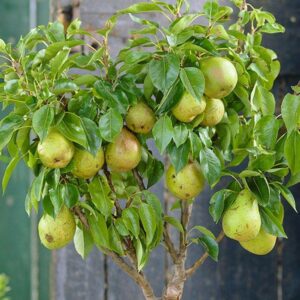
{"type": "Point", "coordinates": [242, 223]}
{"type": "Point", "coordinates": [220, 80]}
{"type": "Point", "coordinates": [122, 155]}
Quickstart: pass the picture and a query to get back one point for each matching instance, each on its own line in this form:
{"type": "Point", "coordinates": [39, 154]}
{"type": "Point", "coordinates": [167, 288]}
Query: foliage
{"type": "Point", "coordinates": [4, 288]}
{"type": "Point", "coordinates": [86, 97]}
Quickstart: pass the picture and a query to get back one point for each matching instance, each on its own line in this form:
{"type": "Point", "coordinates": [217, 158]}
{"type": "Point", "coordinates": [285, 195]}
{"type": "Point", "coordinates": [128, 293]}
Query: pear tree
{"type": "Point", "coordinates": [197, 87]}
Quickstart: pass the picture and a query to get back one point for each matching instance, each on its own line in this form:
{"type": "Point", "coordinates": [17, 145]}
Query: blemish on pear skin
{"type": "Point", "coordinates": [49, 238]}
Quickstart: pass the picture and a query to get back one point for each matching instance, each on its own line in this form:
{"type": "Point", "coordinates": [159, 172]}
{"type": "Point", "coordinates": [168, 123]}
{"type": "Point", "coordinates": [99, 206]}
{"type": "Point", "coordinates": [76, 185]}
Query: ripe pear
{"type": "Point", "coordinates": [242, 220]}
{"type": "Point", "coordinates": [55, 151]}
{"type": "Point", "coordinates": [213, 112]}
{"type": "Point", "coordinates": [220, 76]}
{"type": "Point", "coordinates": [187, 183]}
{"type": "Point", "coordinates": [140, 118]}
{"type": "Point", "coordinates": [86, 165]}
{"type": "Point", "coordinates": [125, 153]}
{"type": "Point", "coordinates": [57, 233]}
{"type": "Point", "coordinates": [262, 244]}
{"type": "Point", "coordinates": [188, 108]}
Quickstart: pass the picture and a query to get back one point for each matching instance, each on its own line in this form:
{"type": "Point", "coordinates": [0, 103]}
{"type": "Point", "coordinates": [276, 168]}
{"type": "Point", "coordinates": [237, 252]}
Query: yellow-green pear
{"type": "Point", "coordinates": [242, 221]}
{"type": "Point", "coordinates": [262, 244]}
{"type": "Point", "coordinates": [220, 76]}
{"type": "Point", "coordinates": [188, 108]}
{"type": "Point", "coordinates": [86, 165]}
{"type": "Point", "coordinates": [187, 183]}
{"type": "Point", "coordinates": [55, 151]}
{"type": "Point", "coordinates": [125, 153]}
{"type": "Point", "coordinates": [57, 233]}
{"type": "Point", "coordinates": [213, 113]}
{"type": "Point", "coordinates": [140, 118]}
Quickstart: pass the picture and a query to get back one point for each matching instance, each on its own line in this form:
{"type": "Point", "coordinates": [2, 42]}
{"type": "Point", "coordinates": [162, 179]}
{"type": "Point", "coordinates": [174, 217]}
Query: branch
{"type": "Point", "coordinates": [169, 244]}
{"type": "Point", "coordinates": [186, 211]}
{"type": "Point", "coordinates": [81, 216]}
{"type": "Point", "coordinates": [189, 272]}
{"type": "Point", "coordinates": [138, 277]}
{"type": "Point", "coordinates": [109, 180]}
{"type": "Point", "coordinates": [139, 179]}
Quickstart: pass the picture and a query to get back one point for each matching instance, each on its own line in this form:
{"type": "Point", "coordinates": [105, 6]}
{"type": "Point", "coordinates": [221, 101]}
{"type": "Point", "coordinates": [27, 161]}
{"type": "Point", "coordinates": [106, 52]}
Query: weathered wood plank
{"type": "Point", "coordinates": [78, 279]}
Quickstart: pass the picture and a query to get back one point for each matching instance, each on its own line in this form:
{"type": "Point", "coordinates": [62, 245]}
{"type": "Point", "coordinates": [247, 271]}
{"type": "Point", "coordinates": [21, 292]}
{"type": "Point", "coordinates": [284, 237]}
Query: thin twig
{"type": "Point", "coordinates": [139, 179]}
{"type": "Point", "coordinates": [186, 211]}
{"type": "Point", "coordinates": [189, 272]}
{"type": "Point", "coordinates": [169, 244]}
{"type": "Point", "coordinates": [81, 216]}
{"type": "Point", "coordinates": [110, 183]}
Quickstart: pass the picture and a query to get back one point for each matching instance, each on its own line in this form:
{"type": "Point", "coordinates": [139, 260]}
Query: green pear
{"type": "Point", "coordinates": [140, 118]}
{"type": "Point", "coordinates": [262, 244]}
{"type": "Point", "coordinates": [187, 183]}
{"type": "Point", "coordinates": [55, 151]}
{"type": "Point", "coordinates": [86, 165]}
{"type": "Point", "coordinates": [220, 76]}
{"type": "Point", "coordinates": [188, 108]}
{"type": "Point", "coordinates": [242, 221]}
{"type": "Point", "coordinates": [57, 233]}
{"type": "Point", "coordinates": [213, 113]}
{"type": "Point", "coordinates": [125, 153]}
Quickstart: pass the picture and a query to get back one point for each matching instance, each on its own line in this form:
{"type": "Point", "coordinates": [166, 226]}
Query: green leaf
{"type": "Point", "coordinates": [115, 240]}
{"type": "Point", "coordinates": [131, 220]}
{"type": "Point", "coordinates": [8, 171]}
{"type": "Point", "coordinates": [204, 231]}
{"type": "Point", "coordinates": [271, 223]}
{"type": "Point", "coordinates": [7, 127]}
{"type": "Point", "coordinates": [110, 125]}
{"type": "Point", "coordinates": [70, 194]}
{"type": "Point", "coordinates": [287, 194]}
{"type": "Point", "coordinates": [120, 226]}
{"type": "Point", "coordinates": [259, 186]}
{"type": "Point", "coordinates": [174, 222]}
{"type": "Point", "coordinates": [180, 134]}
{"type": "Point", "coordinates": [63, 86]}
{"type": "Point", "coordinates": [182, 23]}
{"type": "Point", "coordinates": [290, 110]}
{"type": "Point", "coordinates": [148, 218]}
{"type": "Point", "coordinates": [196, 144]}
{"type": "Point", "coordinates": [219, 201]}
{"type": "Point", "coordinates": [162, 133]}
{"type": "Point", "coordinates": [155, 171]}
{"type": "Point", "coordinates": [57, 62]}
{"type": "Point", "coordinates": [179, 156]}
{"type": "Point", "coordinates": [211, 246]}
{"type": "Point", "coordinates": [56, 199]}
{"type": "Point", "coordinates": [71, 127]}
{"type": "Point", "coordinates": [42, 120]}
{"type": "Point", "coordinates": [54, 48]}
{"type": "Point", "coordinates": [100, 195]}
{"type": "Point", "coordinates": [193, 81]}
{"type": "Point", "coordinates": [171, 97]}
{"type": "Point", "coordinates": [83, 242]}
{"type": "Point", "coordinates": [164, 71]}
{"type": "Point", "coordinates": [152, 200]}
{"type": "Point", "coordinates": [140, 8]}
{"type": "Point", "coordinates": [92, 134]}
{"type": "Point", "coordinates": [292, 151]}
{"type": "Point", "coordinates": [99, 230]}
{"type": "Point", "coordinates": [210, 165]}
{"type": "Point", "coordinates": [266, 131]}
{"type": "Point", "coordinates": [105, 91]}
{"type": "Point", "coordinates": [264, 100]}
